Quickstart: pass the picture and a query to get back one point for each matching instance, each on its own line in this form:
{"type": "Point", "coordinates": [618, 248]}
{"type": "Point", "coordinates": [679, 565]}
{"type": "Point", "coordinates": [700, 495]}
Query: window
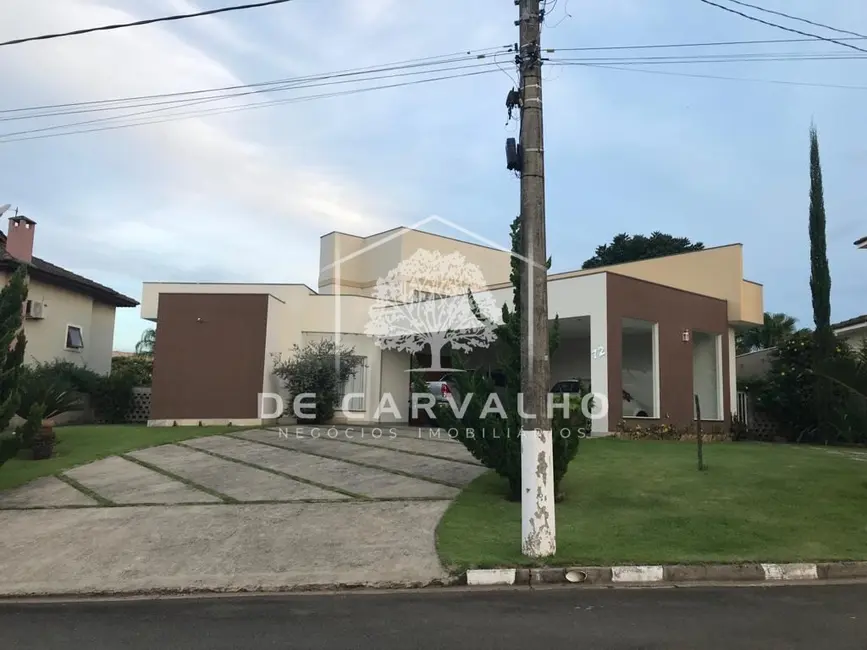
{"type": "Point", "coordinates": [422, 296]}
{"type": "Point", "coordinates": [707, 376]}
{"type": "Point", "coordinates": [640, 368]}
{"type": "Point", "coordinates": [74, 340]}
{"type": "Point", "coordinates": [356, 385]}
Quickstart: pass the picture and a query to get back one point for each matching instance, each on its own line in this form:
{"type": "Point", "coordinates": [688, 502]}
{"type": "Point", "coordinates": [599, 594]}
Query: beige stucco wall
{"type": "Point", "coordinates": [102, 318]}
{"type": "Point", "coordinates": [46, 338]}
{"type": "Point", "coordinates": [715, 272]}
{"type": "Point", "coordinates": [352, 265]}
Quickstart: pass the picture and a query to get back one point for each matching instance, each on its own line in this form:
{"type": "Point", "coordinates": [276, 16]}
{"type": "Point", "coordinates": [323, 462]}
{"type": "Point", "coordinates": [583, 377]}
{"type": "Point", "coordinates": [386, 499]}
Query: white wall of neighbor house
{"type": "Point", "coordinates": [46, 337]}
{"type": "Point", "coordinates": [855, 336]}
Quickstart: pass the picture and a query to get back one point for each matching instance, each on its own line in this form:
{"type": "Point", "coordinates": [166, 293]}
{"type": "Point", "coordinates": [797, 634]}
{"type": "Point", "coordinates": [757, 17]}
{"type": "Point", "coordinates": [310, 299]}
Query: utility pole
{"type": "Point", "coordinates": [537, 461]}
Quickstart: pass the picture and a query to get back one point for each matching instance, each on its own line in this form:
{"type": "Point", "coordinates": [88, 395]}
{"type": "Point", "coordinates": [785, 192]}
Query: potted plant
{"type": "Point", "coordinates": [43, 442]}
{"type": "Point", "coordinates": [37, 434]}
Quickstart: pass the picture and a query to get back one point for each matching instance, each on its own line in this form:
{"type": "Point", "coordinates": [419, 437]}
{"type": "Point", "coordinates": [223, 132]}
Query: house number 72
{"type": "Point", "coordinates": [599, 352]}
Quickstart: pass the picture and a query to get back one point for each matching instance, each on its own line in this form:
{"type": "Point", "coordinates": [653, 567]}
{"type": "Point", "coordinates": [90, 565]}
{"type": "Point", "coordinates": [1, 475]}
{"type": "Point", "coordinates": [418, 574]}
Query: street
{"type": "Point", "coordinates": [827, 616]}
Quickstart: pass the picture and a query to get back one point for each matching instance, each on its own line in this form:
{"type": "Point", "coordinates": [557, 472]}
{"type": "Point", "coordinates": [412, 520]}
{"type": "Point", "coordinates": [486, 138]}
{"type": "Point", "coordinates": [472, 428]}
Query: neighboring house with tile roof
{"type": "Point", "coordinates": [68, 316]}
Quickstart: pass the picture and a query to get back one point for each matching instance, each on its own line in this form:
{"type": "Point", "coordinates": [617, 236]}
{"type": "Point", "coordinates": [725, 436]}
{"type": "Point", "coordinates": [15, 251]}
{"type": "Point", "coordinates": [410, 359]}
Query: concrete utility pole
{"type": "Point", "coordinates": [537, 479]}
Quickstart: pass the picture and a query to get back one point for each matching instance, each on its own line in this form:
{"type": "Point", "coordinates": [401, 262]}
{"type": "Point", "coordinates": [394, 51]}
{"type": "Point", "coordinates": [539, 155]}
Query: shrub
{"type": "Point", "coordinates": [786, 393]}
{"type": "Point", "coordinates": [43, 385]}
{"type": "Point", "coordinates": [32, 425]}
{"type": "Point", "coordinates": [111, 396]}
{"type": "Point", "coordinates": [321, 368]}
{"type": "Point", "coordinates": [668, 431]}
{"type": "Point", "coordinates": [59, 385]}
{"type": "Point", "coordinates": [140, 366]}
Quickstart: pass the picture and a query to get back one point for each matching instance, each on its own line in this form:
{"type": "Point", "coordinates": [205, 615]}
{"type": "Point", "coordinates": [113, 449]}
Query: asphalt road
{"type": "Point", "coordinates": [833, 617]}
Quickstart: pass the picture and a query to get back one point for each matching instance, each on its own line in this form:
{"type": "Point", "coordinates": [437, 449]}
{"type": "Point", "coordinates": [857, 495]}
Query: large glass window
{"type": "Point", "coordinates": [707, 374]}
{"type": "Point", "coordinates": [639, 369]}
{"type": "Point", "coordinates": [356, 384]}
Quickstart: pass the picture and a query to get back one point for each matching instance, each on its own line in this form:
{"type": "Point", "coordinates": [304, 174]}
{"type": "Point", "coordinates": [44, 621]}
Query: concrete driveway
{"type": "Point", "coordinates": [255, 510]}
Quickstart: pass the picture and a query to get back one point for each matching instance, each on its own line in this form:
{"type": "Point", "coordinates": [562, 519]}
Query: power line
{"type": "Point", "coordinates": [234, 109]}
{"type": "Point", "coordinates": [117, 103]}
{"type": "Point", "coordinates": [260, 88]}
{"type": "Point", "coordinates": [149, 21]}
{"type": "Point", "coordinates": [196, 102]}
{"type": "Point", "coordinates": [752, 58]}
{"type": "Point", "coordinates": [771, 41]}
{"type": "Point", "coordinates": [130, 102]}
{"type": "Point", "coordinates": [787, 29]}
{"type": "Point", "coordinates": [791, 17]}
{"type": "Point", "coordinates": [671, 73]}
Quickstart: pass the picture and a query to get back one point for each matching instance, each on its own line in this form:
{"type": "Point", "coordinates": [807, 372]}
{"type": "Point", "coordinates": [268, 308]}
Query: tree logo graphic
{"type": "Point", "coordinates": [428, 301]}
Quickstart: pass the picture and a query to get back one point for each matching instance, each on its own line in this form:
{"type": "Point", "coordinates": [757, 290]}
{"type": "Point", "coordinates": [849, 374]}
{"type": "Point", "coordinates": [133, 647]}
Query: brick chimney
{"type": "Point", "coordinates": [19, 242]}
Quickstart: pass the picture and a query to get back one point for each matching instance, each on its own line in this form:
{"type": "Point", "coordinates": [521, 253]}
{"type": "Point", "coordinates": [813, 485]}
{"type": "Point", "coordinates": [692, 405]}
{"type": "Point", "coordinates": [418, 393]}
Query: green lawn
{"type": "Point", "coordinates": [77, 445]}
{"type": "Point", "coordinates": [645, 502]}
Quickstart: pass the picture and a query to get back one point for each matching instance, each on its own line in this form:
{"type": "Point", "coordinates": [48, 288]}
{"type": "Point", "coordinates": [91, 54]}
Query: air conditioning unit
{"type": "Point", "coordinates": [36, 309]}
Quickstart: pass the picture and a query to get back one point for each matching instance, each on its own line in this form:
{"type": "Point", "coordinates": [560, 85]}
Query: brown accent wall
{"type": "Point", "coordinates": [209, 360]}
{"type": "Point", "coordinates": [675, 311]}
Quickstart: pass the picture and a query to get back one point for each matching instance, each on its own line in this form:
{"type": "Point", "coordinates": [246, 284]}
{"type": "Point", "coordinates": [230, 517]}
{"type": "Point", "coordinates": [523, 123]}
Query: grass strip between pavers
{"type": "Point", "coordinates": [86, 491]}
{"type": "Point", "coordinates": [402, 451]}
{"type": "Point", "coordinates": [79, 445]}
{"type": "Point", "coordinates": [275, 472]}
{"type": "Point", "coordinates": [351, 462]}
{"type": "Point", "coordinates": [180, 479]}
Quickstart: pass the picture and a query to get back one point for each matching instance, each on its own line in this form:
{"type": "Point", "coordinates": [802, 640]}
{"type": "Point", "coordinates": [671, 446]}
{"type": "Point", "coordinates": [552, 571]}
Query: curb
{"type": "Point", "coordinates": [670, 573]}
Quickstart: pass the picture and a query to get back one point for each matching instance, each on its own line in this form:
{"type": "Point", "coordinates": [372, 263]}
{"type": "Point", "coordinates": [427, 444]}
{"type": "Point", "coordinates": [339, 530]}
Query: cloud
{"type": "Point", "coordinates": [275, 183]}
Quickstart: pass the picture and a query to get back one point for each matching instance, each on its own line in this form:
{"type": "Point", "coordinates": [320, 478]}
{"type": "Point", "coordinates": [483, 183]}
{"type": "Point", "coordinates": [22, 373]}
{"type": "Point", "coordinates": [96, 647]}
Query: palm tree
{"type": "Point", "coordinates": [147, 342]}
{"type": "Point", "coordinates": [776, 329]}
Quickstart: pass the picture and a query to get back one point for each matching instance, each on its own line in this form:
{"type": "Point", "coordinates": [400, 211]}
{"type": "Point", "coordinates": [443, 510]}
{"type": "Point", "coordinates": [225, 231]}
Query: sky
{"type": "Point", "coordinates": [245, 196]}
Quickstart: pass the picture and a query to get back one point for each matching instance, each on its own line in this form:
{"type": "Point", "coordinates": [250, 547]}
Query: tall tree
{"type": "Point", "coordinates": [820, 287]}
{"type": "Point", "coordinates": [147, 342]}
{"type": "Point", "coordinates": [631, 248]}
{"type": "Point", "coordinates": [776, 329]}
{"type": "Point", "coordinates": [12, 345]}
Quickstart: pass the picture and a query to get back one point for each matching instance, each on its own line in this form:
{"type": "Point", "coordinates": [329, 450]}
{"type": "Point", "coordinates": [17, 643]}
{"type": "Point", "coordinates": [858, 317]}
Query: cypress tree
{"type": "Point", "coordinates": [12, 345]}
{"type": "Point", "coordinates": [820, 287]}
{"type": "Point", "coordinates": [493, 441]}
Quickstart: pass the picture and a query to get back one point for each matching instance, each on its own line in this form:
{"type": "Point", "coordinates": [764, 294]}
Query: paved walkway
{"type": "Point", "coordinates": [255, 510]}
